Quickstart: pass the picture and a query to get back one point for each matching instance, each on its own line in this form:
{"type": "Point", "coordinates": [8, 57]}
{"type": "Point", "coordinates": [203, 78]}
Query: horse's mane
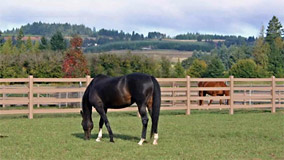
{"type": "Point", "coordinates": [101, 76]}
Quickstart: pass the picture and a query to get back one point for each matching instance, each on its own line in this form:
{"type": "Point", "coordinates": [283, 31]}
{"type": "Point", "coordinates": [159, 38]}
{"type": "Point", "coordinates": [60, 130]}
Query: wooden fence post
{"type": "Point", "coordinates": [4, 95]}
{"type": "Point", "coordinates": [273, 109]}
{"type": "Point", "coordinates": [38, 96]}
{"type": "Point", "coordinates": [188, 95]}
{"type": "Point", "coordinates": [31, 104]}
{"type": "Point", "coordinates": [173, 93]}
{"type": "Point", "coordinates": [88, 80]}
{"type": "Point", "coordinates": [231, 94]}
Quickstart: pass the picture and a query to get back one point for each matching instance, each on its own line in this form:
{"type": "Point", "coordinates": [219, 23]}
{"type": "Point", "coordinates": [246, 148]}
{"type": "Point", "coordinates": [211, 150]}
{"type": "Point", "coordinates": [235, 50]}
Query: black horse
{"type": "Point", "coordinates": [118, 92]}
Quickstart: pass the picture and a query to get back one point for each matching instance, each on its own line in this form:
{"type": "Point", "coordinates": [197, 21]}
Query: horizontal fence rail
{"type": "Point", "coordinates": [34, 94]}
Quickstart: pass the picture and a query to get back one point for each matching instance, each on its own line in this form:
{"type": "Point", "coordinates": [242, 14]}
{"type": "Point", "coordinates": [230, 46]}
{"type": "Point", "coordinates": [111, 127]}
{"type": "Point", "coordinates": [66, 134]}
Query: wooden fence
{"type": "Point", "coordinates": [177, 93]}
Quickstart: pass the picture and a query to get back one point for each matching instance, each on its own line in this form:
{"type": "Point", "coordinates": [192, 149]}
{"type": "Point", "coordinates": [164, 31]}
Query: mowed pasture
{"type": "Point", "coordinates": [172, 55]}
{"type": "Point", "coordinates": [248, 134]}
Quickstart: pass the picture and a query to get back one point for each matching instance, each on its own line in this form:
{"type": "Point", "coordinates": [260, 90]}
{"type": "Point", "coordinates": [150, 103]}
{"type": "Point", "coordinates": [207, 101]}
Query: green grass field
{"type": "Point", "coordinates": [202, 135]}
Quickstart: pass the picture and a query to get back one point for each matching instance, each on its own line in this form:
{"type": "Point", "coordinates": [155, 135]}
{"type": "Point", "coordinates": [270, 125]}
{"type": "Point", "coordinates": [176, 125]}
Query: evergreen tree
{"type": "Point", "coordinates": [276, 58]}
{"type": "Point", "coordinates": [274, 30]}
{"type": "Point", "coordinates": [224, 55]}
{"type": "Point", "coordinates": [1, 38]}
{"type": "Point", "coordinates": [20, 36]}
{"type": "Point", "coordinates": [215, 68]}
{"type": "Point", "coordinates": [44, 44]}
{"type": "Point", "coordinates": [236, 53]}
{"type": "Point", "coordinates": [29, 44]}
{"type": "Point", "coordinates": [165, 68]}
{"type": "Point", "coordinates": [261, 50]}
{"type": "Point", "coordinates": [36, 47]}
{"type": "Point", "coordinates": [22, 48]}
{"type": "Point", "coordinates": [57, 42]}
{"type": "Point", "coordinates": [7, 48]}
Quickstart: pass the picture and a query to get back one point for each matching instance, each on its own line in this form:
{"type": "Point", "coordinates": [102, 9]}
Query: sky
{"type": "Point", "coordinates": [172, 17]}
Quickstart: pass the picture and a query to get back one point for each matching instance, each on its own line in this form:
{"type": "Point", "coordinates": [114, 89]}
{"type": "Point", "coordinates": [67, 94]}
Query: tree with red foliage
{"type": "Point", "coordinates": [75, 63]}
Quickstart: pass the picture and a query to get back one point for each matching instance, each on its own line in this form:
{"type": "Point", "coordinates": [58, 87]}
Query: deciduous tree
{"type": "Point", "coordinates": [75, 63]}
{"type": "Point", "coordinates": [197, 69]}
{"type": "Point", "coordinates": [179, 70]}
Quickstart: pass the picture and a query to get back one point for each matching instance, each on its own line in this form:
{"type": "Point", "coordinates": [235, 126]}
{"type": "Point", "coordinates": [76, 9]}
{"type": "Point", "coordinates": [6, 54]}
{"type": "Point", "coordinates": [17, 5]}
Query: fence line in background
{"type": "Point", "coordinates": [177, 93]}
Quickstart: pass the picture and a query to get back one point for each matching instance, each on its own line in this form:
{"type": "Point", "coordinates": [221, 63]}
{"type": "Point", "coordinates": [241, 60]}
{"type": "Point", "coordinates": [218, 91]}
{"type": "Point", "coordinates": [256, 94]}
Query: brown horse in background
{"type": "Point", "coordinates": [212, 93]}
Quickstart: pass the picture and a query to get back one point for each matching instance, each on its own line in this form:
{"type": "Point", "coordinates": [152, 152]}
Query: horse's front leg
{"type": "Point", "coordinates": [200, 95]}
{"type": "Point", "coordinates": [101, 123]}
{"type": "Point", "coordinates": [211, 100]}
{"type": "Point", "coordinates": [144, 118]}
{"type": "Point", "coordinates": [100, 134]}
{"type": "Point", "coordinates": [102, 113]}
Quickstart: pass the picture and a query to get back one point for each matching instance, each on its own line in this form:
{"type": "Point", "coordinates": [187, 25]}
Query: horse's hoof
{"type": "Point", "coordinates": [111, 141]}
{"type": "Point", "coordinates": [155, 142]}
{"type": "Point", "coordinates": [141, 142]}
{"type": "Point", "coordinates": [98, 139]}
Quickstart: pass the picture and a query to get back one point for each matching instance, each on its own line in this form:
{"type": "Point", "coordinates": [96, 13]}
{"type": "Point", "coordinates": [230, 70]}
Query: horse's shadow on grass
{"type": "Point", "coordinates": [106, 136]}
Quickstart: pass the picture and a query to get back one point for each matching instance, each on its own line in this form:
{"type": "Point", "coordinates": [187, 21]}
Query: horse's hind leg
{"type": "Point", "coordinates": [144, 118]}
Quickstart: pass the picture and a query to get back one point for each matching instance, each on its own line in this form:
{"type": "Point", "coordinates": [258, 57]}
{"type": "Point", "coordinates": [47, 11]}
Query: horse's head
{"type": "Point", "coordinates": [87, 125]}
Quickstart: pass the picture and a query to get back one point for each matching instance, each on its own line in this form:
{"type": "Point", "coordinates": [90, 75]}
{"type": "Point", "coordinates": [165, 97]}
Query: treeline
{"type": "Point", "coordinates": [228, 40]}
{"type": "Point", "coordinates": [47, 29]}
{"type": "Point", "coordinates": [43, 63]}
{"type": "Point", "coordinates": [16, 45]}
{"type": "Point", "coordinates": [67, 29]}
{"type": "Point", "coordinates": [93, 37]}
{"type": "Point", "coordinates": [117, 65]}
{"type": "Point", "coordinates": [152, 44]}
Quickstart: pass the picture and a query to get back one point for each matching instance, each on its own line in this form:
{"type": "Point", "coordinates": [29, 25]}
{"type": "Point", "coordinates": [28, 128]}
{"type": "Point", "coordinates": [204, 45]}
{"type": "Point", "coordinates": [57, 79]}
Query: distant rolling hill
{"type": "Point", "coordinates": [152, 45]}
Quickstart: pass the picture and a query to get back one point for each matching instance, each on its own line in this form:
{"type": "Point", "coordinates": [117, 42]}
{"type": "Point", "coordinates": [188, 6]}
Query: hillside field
{"type": "Point", "coordinates": [172, 55]}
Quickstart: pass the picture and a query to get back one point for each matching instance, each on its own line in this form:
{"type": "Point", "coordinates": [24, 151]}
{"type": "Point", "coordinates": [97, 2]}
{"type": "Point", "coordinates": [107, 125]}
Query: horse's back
{"type": "Point", "coordinates": [119, 92]}
{"type": "Point", "coordinates": [214, 84]}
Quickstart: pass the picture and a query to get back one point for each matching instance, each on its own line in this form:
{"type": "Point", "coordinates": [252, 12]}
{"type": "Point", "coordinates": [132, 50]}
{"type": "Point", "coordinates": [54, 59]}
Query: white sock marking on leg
{"type": "Point", "coordinates": [100, 135]}
{"type": "Point", "coordinates": [156, 137]}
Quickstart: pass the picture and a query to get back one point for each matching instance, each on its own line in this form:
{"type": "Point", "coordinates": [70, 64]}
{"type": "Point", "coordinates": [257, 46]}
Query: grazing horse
{"type": "Point", "coordinates": [212, 93]}
{"type": "Point", "coordinates": [118, 92]}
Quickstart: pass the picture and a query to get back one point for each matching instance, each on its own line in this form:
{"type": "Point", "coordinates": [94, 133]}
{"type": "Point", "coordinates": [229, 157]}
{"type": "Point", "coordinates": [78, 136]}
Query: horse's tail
{"type": "Point", "coordinates": [155, 106]}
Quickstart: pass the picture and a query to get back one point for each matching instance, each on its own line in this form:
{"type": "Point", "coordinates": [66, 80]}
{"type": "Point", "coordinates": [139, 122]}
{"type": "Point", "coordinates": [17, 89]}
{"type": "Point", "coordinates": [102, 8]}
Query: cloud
{"type": "Point", "coordinates": [170, 16]}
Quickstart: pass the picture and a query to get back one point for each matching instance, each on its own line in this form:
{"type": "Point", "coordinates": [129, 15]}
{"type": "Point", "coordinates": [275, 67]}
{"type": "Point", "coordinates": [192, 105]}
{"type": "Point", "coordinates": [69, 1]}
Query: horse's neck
{"type": "Point", "coordinates": [87, 110]}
